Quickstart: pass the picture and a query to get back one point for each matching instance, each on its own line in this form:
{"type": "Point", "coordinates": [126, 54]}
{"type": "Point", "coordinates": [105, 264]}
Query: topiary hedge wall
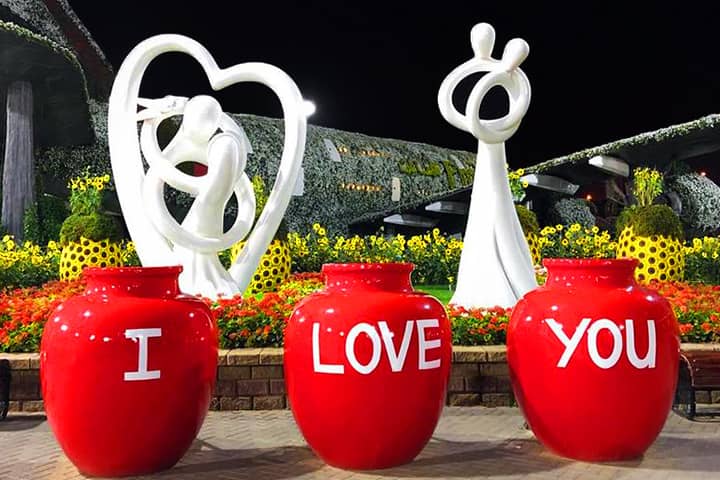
{"type": "Point", "coordinates": [347, 176]}
{"type": "Point", "coordinates": [700, 203]}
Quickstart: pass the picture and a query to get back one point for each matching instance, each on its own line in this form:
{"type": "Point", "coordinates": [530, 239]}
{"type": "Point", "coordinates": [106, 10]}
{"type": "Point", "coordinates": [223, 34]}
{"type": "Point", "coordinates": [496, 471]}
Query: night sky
{"type": "Point", "coordinates": [599, 72]}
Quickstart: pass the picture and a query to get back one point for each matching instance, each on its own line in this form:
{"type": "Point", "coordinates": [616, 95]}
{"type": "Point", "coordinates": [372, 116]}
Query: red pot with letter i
{"type": "Point", "coordinates": [127, 370]}
{"type": "Point", "coordinates": [593, 360]}
{"type": "Point", "coordinates": [367, 362]}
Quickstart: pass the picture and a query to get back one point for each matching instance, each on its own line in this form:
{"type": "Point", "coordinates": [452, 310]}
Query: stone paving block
{"type": "Point", "coordinates": [270, 402]}
{"type": "Point", "coordinates": [497, 399]}
{"type": "Point", "coordinates": [701, 396]}
{"type": "Point", "coordinates": [715, 396]}
{"type": "Point", "coordinates": [235, 403]}
{"type": "Point", "coordinates": [223, 356]}
{"type": "Point", "coordinates": [496, 353]}
{"type": "Point", "coordinates": [268, 371]}
{"type": "Point", "coordinates": [456, 384]}
{"type": "Point", "coordinates": [480, 384]}
{"type": "Point", "coordinates": [464, 370]}
{"type": "Point", "coordinates": [244, 356]}
{"type": "Point", "coordinates": [464, 399]}
{"type": "Point", "coordinates": [503, 384]}
{"type": "Point", "coordinates": [25, 385]}
{"type": "Point", "coordinates": [225, 388]}
{"type": "Point", "coordinates": [469, 354]}
{"type": "Point", "coordinates": [33, 406]}
{"type": "Point", "coordinates": [271, 356]}
{"type": "Point", "coordinates": [233, 372]}
{"type": "Point", "coordinates": [277, 387]}
{"type": "Point", "coordinates": [18, 361]}
{"type": "Point", "coordinates": [253, 387]}
{"type": "Point", "coordinates": [494, 369]}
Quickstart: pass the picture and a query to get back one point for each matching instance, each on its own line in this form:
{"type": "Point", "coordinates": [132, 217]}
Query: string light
{"type": "Point", "coordinates": [361, 187]}
{"type": "Point", "coordinates": [702, 173]}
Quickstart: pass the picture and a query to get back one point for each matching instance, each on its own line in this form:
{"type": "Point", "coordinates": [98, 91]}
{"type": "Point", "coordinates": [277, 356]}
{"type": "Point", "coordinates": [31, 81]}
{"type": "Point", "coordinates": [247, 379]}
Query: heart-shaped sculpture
{"type": "Point", "coordinates": [159, 240]}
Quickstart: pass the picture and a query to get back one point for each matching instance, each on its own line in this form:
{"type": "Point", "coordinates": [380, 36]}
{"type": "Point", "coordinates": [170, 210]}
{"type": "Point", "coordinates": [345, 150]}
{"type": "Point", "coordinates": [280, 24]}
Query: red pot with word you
{"type": "Point", "coordinates": [127, 370]}
{"type": "Point", "coordinates": [594, 360]}
{"type": "Point", "coordinates": [367, 362]}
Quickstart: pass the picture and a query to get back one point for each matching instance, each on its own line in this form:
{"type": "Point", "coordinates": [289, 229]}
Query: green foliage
{"type": "Point", "coordinates": [568, 211]}
{"type": "Point", "coordinates": [700, 198]}
{"type": "Point", "coordinates": [43, 220]}
{"type": "Point", "coordinates": [93, 226]}
{"type": "Point", "coordinates": [528, 220]}
{"type": "Point", "coordinates": [651, 220]}
{"type": "Point", "coordinates": [647, 185]}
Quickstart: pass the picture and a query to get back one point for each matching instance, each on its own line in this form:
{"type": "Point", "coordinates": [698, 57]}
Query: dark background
{"type": "Point", "coordinates": [600, 71]}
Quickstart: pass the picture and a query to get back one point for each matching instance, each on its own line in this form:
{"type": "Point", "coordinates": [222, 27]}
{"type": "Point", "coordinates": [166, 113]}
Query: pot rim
{"type": "Point", "coordinates": [136, 271]}
{"type": "Point", "coordinates": [625, 262]}
{"type": "Point", "coordinates": [394, 267]}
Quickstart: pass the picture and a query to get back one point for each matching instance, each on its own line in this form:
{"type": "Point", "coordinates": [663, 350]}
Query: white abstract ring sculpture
{"type": "Point", "coordinates": [209, 137]}
{"type": "Point", "coordinates": [495, 266]}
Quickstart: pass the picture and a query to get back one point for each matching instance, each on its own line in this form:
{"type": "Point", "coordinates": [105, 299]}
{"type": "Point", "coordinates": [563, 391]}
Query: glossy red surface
{"type": "Point", "coordinates": [108, 421]}
{"type": "Point", "coordinates": [597, 403]}
{"type": "Point", "coordinates": [357, 408]}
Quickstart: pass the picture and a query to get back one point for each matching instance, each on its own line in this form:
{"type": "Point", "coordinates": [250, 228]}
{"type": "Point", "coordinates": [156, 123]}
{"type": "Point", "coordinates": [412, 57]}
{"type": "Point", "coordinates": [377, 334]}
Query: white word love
{"type": "Point", "coordinates": [395, 357]}
{"type": "Point", "coordinates": [141, 335]}
{"type": "Point", "coordinates": [571, 343]}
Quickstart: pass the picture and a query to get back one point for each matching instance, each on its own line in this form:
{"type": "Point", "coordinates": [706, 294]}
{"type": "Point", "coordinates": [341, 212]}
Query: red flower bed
{"type": "Point", "coordinates": [697, 308]}
{"type": "Point", "coordinates": [23, 313]}
{"type": "Point", "coordinates": [260, 321]}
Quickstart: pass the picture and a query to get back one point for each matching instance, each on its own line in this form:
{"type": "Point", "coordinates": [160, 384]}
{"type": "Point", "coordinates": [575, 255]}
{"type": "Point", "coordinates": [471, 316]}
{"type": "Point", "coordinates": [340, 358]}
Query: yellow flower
{"type": "Point", "coordinates": [558, 227]}
{"type": "Point", "coordinates": [321, 231]}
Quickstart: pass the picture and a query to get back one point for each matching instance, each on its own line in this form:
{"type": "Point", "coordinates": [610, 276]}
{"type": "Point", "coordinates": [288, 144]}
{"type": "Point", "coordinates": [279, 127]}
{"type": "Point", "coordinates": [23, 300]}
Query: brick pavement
{"type": "Point", "coordinates": [470, 442]}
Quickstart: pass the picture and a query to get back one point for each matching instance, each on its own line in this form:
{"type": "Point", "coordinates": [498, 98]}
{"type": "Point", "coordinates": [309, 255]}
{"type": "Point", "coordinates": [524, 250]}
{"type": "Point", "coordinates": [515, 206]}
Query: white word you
{"type": "Point", "coordinates": [571, 343]}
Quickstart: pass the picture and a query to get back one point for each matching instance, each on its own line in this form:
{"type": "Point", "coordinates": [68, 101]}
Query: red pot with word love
{"type": "Point", "coordinates": [127, 370]}
{"type": "Point", "coordinates": [593, 360]}
{"type": "Point", "coordinates": [367, 362]}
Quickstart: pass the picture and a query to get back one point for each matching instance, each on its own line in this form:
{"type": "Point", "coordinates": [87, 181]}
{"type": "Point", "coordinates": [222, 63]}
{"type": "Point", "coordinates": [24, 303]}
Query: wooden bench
{"type": "Point", "coordinates": [4, 388]}
{"type": "Point", "coordinates": [698, 371]}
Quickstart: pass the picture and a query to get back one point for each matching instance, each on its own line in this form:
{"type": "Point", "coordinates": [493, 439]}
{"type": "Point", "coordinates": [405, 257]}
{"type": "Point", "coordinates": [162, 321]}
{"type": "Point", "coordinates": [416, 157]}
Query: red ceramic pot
{"type": "Point", "coordinates": [594, 360]}
{"type": "Point", "coordinates": [367, 362]}
{"type": "Point", "coordinates": [127, 370]}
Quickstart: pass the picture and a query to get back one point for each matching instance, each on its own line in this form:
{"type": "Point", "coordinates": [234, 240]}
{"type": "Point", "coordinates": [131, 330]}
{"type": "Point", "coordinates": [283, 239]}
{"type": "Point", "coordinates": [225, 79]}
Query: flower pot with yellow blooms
{"type": "Point", "coordinates": [653, 234]}
{"type": "Point", "coordinates": [275, 264]}
{"type": "Point", "coordinates": [89, 237]}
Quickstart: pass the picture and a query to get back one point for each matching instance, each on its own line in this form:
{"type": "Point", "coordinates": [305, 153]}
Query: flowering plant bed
{"type": "Point", "coordinates": [259, 321]}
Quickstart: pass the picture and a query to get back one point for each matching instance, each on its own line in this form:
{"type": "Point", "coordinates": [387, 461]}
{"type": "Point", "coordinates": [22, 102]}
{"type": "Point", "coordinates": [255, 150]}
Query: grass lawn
{"type": "Point", "coordinates": [441, 292]}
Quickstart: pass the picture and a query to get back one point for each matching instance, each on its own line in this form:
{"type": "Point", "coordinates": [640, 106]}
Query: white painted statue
{"type": "Point", "coordinates": [495, 266]}
{"type": "Point", "coordinates": [209, 137]}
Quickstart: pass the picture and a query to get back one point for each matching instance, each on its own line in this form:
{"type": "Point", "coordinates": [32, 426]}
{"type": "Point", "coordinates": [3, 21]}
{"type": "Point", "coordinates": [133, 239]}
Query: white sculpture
{"type": "Point", "coordinates": [495, 265]}
{"type": "Point", "coordinates": [195, 243]}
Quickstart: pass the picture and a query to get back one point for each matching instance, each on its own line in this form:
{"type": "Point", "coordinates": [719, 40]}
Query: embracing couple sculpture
{"type": "Point", "coordinates": [495, 267]}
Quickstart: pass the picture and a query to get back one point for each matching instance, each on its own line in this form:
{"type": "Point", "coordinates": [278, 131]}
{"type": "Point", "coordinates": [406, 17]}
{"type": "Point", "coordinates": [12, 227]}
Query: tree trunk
{"type": "Point", "coordinates": [18, 192]}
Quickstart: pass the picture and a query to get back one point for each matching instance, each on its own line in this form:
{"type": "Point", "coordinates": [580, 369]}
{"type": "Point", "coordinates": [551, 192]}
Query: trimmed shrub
{"type": "Point", "coordinates": [700, 199]}
{"type": "Point", "coordinates": [568, 211]}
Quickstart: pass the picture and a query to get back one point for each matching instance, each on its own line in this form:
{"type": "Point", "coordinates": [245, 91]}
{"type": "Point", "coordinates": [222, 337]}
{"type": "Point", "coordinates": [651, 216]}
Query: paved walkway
{"type": "Point", "coordinates": [470, 442]}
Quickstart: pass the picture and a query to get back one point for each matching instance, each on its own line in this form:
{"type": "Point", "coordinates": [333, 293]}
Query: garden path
{"type": "Point", "coordinates": [470, 442]}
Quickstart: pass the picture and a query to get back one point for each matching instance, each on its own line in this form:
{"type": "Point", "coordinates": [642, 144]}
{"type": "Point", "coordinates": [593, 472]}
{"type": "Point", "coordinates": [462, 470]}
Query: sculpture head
{"type": "Point", "coordinates": [201, 118]}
